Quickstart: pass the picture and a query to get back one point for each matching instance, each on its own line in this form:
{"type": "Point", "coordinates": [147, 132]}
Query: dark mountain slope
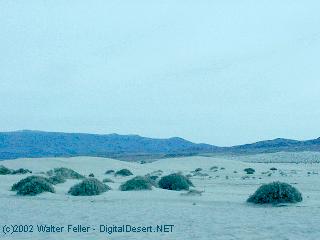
{"type": "Point", "coordinates": [53, 144]}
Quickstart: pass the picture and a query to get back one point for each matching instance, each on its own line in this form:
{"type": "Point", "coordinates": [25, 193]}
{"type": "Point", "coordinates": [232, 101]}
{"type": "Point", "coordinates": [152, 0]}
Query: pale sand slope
{"type": "Point", "coordinates": [220, 213]}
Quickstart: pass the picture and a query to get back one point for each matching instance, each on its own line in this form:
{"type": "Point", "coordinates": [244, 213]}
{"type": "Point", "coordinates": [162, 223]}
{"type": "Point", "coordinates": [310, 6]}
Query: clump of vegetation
{"type": "Point", "coordinates": [124, 172]}
{"type": "Point", "coordinates": [222, 168]}
{"type": "Point", "coordinates": [198, 169]}
{"type": "Point", "coordinates": [18, 185]}
{"type": "Point", "coordinates": [32, 186]}
{"type": "Point", "coordinates": [4, 170]}
{"type": "Point", "coordinates": [249, 170]}
{"type": "Point", "coordinates": [21, 171]}
{"type": "Point", "coordinates": [143, 162]}
{"type": "Point", "coordinates": [157, 173]}
{"type": "Point", "coordinates": [107, 180]}
{"type": "Point", "coordinates": [91, 175]}
{"type": "Point", "coordinates": [88, 187]}
{"type": "Point", "coordinates": [274, 193]}
{"type": "Point", "coordinates": [235, 172]}
{"type": "Point", "coordinates": [109, 172]}
{"type": "Point", "coordinates": [57, 179]}
{"type": "Point", "coordinates": [273, 169]}
{"type": "Point", "coordinates": [136, 184]}
{"type": "Point", "coordinates": [214, 168]}
{"type": "Point", "coordinates": [154, 178]}
{"type": "Point", "coordinates": [189, 175]}
{"type": "Point", "coordinates": [200, 174]}
{"type": "Point", "coordinates": [175, 182]}
{"type": "Point", "coordinates": [66, 173]}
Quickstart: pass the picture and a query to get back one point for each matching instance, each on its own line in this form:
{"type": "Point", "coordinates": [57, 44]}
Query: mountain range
{"type": "Point", "coordinates": [30, 144]}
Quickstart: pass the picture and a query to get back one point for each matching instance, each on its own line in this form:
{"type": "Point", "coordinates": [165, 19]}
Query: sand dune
{"type": "Point", "coordinates": [220, 213]}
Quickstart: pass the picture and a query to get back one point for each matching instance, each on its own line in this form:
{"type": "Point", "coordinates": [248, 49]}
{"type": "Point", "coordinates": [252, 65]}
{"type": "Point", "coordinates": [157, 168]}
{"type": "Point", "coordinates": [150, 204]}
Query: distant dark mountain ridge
{"type": "Point", "coordinates": [53, 144]}
{"type": "Point", "coordinates": [29, 144]}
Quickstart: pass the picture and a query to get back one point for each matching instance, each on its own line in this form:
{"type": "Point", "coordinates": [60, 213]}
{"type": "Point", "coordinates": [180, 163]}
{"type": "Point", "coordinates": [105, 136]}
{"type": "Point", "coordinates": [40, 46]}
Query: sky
{"type": "Point", "coordinates": [223, 72]}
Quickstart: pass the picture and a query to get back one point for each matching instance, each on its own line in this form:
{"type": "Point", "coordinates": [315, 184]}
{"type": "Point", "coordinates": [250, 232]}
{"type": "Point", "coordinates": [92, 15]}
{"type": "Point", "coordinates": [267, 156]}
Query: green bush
{"type": "Point", "coordinates": [32, 186]}
{"type": "Point", "coordinates": [66, 173]}
{"type": "Point", "coordinates": [107, 180]}
{"type": "Point", "coordinates": [88, 187]}
{"type": "Point", "coordinates": [91, 175]}
{"type": "Point", "coordinates": [4, 170]}
{"type": "Point", "coordinates": [124, 172]}
{"type": "Point", "coordinates": [56, 179]}
{"type": "Point", "coordinates": [273, 169]}
{"type": "Point", "coordinates": [154, 178]}
{"type": "Point", "coordinates": [21, 171]}
{"type": "Point", "coordinates": [18, 185]}
{"type": "Point", "coordinates": [198, 169]}
{"type": "Point", "coordinates": [175, 182]}
{"type": "Point", "coordinates": [274, 193]}
{"type": "Point", "coordinates": [136, 184]}
{"type": "Point", "coordinates": [249, 170]}
{"type": "Point", "coordinates": [109, 172]}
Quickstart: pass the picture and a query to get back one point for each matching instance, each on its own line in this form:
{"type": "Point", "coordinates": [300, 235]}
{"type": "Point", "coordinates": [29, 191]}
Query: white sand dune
{"type": "Point", "coordinates": [220, 213]}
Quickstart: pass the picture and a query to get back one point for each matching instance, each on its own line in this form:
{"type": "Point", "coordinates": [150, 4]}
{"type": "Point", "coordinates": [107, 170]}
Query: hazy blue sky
{"type": "Point", "coordinates": [223, 72]}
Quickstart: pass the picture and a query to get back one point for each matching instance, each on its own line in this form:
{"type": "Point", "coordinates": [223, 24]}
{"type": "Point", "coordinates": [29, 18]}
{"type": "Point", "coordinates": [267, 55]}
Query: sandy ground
{"type": "Point", "coordinates": [220, 213]}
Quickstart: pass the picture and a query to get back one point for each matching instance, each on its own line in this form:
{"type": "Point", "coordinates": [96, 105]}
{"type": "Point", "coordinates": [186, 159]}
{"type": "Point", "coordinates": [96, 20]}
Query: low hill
{"type": "Point", "coordinates": [53, 144]}
{"type": "Point", "coordinates": [29, 144]}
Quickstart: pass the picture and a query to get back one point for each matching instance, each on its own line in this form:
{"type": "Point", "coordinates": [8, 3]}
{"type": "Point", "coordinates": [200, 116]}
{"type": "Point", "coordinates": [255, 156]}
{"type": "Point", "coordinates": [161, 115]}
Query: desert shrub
{"type": "Point", "coordinates": [18, 185]}
{"type": "Point", "coordinates": [198, 169]}
{"type": "Point", "coordinates": [66, 173]}
{"type": "Point", "coordinates": [109, 172]}
{"type": "Point", "coordinates": [91, 175]}
{"type": "Point", "coordinates": [273, 169]}
{"type": "Point", "coordinates": [189, 175]}
{"type": "Point", "coordinates": [107, 180]}
{"type": "Point", "coordinates": [175, 182]}
{"type": "Point", "coordinates": [200, 174]}
{"type": "Point", "coordinates": [32, 186]}
{"type": "Point", "coordinates": [21, 171]}
{"type": "Point", "coordinates": [143, 162]}
{"type": "Point", "coordinates": [213, 168]}
{"type": "Point", "coordinates": [136, 184]}
{"type": "Point", "coordinates": [154, 178]}
{"type": "Point", "coordinates": [4, 170]}
{"type": "Point", "coordinates": [274, 193]}
{"type": "Point", "coordinates": [57, 179]}
{"type": "Point", "coordinates": [249, 170]}
{"type": "Point", "coordinates": [222, 168]}
{"type": "Point", "coordinates": [123, 172]}
{"type": "Point", "coordinates": [235, 172]}
{"type": "Point", "coordinates": [157, 173]}
{"type": "Point", "coordinates": [88, 187]}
